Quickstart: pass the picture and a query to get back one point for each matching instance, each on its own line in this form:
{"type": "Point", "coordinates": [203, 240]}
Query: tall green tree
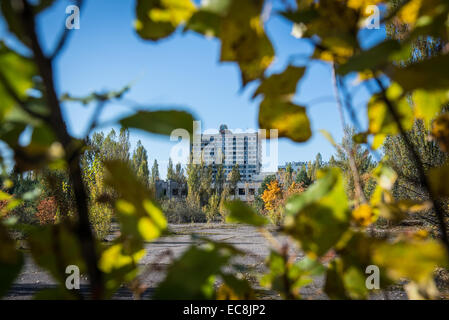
{"type": "Point", "coordinates": [302, 177]}
{"type": "Point", "coordinates": [170, 170]}
{"type": "Point", "coordinates": [288, 176]}
{"type": "Point", "coordinates": [220, 179]}
{"type": "Point", "coordinates": [363, 161]}
{"type": "Point", "coordinates": [179, 174]}
{"type": "Point", "coordinates": [234, 176]}
{"type": "Point", "coordinates": [205, 187]}
{"type": "Point", "coordinates": [193, 182]}
{"type": "Point", "coordinates": [154, 172]}
{"type": "Point", "coordinates": [140, 163]}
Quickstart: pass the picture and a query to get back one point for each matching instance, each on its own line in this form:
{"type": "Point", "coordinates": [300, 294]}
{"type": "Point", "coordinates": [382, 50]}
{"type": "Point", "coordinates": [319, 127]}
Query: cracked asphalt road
{"type": "Point", "coordinates": [160, 253]}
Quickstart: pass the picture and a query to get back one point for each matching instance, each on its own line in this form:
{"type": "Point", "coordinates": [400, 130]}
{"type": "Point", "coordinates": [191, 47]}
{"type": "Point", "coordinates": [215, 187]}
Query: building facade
{"type": "Point", "coordinates": [170, 189]}
{"type": "Point", "coordinates": [228, 148]}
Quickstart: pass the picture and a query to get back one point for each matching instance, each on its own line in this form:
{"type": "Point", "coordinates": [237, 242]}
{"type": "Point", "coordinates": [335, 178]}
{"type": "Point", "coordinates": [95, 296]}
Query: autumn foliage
{"type": "Point", "coordinates": [275, 197]}
{"type": "Point", "coordinates": [47, 210]}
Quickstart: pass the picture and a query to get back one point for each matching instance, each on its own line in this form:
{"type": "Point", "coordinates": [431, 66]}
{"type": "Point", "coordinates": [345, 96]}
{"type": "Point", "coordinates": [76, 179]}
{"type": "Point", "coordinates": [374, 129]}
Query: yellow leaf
{"type": "Point", "coordinates": [428, 104]}
{"type": "Point", "coordinates": [415, 260]}
{"type": "Point", "coordinates": [380, 118]}
{"type": "Point", "coordinates": [148, 229]}
{"type": "Point", "coordinates": [361, 4]}
{"type": "Point", "coordinates": [289, 119]}
{"type": "Point", "coordinates": [440, 131]}
{"type": "Point", "coordinates": [114, 258]}
{"type": "Point", "coordinates": [378, 140]}
{"type": "Point", "coordinates": [244, 41]}
{"type": "Point", "coordinates": [438, 178]}
{"type": "Point", "coordinates": [363, 215]}
{"type": "Point", "coordinates": [125, 207]}
{"type": "Point", "coordinates": [155, 213]}
{"type": "Point", "coordinates": [157, 19]}
{"type": "Point", "coordinates": [281, 85]}
{"type": "Point", "coordinates": [409, 12]}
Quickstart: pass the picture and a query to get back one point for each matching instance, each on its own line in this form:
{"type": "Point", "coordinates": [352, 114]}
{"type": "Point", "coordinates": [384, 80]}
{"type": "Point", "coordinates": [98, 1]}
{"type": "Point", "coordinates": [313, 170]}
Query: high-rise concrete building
{"type": "Point", "coordinates": [229, 149]}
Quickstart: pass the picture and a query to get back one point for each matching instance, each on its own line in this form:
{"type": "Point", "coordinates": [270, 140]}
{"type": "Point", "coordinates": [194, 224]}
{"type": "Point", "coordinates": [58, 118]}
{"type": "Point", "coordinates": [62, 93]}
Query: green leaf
{"type": "Point", "coordinates": [42, 5]}
{"type": "Point", "coordinates": [360, 138]}
{"type": "Point", "coordinates": [160, 122]}
{"type": "Point", "coordinates": [314, 193]}
{"type": "Point", "coordinates": [205, 22]}
{"type": "Point", "coordinates": [11, 261]}
{"type": "Point", "coordinates": [208, 18]}
{"type": "Point", "coordinates": [240, 212]}
{"type": "Point", "coordinates": [334, 286]}
{"type": "Point", "coordinates": [318, 217]}
{"type": "Point", "coordinates": [420, 257]}
{"type": "Point", "coordinates": [53, 248]}
{"type": "Point", "coordinates": [10, 133]}
{"type": "Point", "coordinates": [438, 178]}
{"type": "Point", "coordinates": [373, 58]}
{"type": "Point", "coordinates": [282, 84]}
{"type": "Point", "coordinates": [18, 72]}
{"type": "Point", "coordinates": [11, 13]}
{"type": "Point", "coordinates": [157, 19]}
{"type": "Point", "coordinates": [277, 269]}
{"type": "Point", "coordinates": [379, 116]}
{"type": "Point", "coordinates": [187, 276]}
{"type": "Point", "coordinates": [428, 104]}
{"type": "Point", "coordinates": [140, 218]}
{"type": "Point", "coordinates": [429, 74]}
{"type": "Point", "coordinates": [355, 253]}
{"type": "Point", "coordinates": [43, 136]}
{"type": "Point", "coordinates": [298, 274]}
{"type": "Point", "coordinates": [244, 41]}
{"type": "Point", "coordinates": [119, 265]}
{"type": "Point", "coordinates": [289, 119]}
{"type": "Point", "coordinates": [301, 16]}
{"type": "Point", "coordinates": [241, 288]}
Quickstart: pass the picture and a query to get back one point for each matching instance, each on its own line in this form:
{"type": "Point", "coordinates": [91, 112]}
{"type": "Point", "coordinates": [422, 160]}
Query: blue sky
{"type": "Point", "coordinates": [182, 71]}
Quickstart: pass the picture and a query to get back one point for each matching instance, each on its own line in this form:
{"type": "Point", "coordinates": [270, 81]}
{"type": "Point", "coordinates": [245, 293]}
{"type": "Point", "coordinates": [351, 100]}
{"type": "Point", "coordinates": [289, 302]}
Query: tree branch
{"type": "Point", "coordinates": [352, 164]}
{"type": "Point", "coordinates": [84, 230]}
{"type": "Point", "coordinates": [419, 165]}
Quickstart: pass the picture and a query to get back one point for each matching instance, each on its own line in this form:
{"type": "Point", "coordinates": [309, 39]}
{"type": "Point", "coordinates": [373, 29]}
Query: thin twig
{"type": "Point", "coordinates": [64, 37]}
{"type": "Point", "coordinates": [95, 118]}
{"type": "Point", "coordinates": [352, 164]}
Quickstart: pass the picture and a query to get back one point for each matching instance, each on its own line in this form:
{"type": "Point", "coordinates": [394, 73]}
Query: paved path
{"type": "Point", "coordinates": [161, 252]}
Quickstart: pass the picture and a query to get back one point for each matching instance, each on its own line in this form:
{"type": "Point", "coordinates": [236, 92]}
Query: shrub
{"type": "Point", "coordinates": [47, 210]}
{"type": "Point", "coordinates": [179, 211]}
